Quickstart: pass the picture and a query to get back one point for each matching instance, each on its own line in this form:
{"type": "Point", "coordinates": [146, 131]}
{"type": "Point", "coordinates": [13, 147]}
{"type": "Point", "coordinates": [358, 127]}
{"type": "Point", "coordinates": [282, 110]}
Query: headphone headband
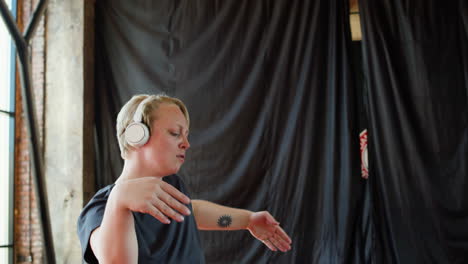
{"type": "Point", "coordinates": [138, 115]}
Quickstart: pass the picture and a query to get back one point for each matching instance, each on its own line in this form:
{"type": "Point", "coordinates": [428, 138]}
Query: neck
{"type": "Point", "coordinates": [133, 170]}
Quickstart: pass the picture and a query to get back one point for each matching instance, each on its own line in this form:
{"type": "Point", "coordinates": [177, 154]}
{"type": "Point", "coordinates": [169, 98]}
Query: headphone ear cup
{"type": "Point", "coordinates": [137, 134]}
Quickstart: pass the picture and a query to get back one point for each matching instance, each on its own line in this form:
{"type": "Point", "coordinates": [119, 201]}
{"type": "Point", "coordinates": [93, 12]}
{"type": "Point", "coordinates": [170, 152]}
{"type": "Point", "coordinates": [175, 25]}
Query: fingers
{"type": "Point", "coordinates": [275, 242]}
{"type": "Point", "coordinates": [153, 196]}
{"type": "Point", "coordinates": [166, 204]}
{"type": "Point", "coordinates": [275, 238]}
{"type": "Point", "coordinates": [280, 232]}
{"type": "Point", "coordinates": [174, 204]}
{"type": "Point", "coordinates": [172, 191]}
{"type": "Point", "coordinates": [167, 201]}
{"type": "Point", "coordinates": [269, 244]}
{"type": "Point", "coordinates": [166, 210]}
{"type": "Point", "coordinates": [157, 214]}
{"type": "Point", "coordinates": [279, 243]}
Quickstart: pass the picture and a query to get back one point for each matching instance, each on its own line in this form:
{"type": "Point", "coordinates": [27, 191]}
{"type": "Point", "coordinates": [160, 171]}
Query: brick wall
{"type": "Point", "coordinates": [27, 235]}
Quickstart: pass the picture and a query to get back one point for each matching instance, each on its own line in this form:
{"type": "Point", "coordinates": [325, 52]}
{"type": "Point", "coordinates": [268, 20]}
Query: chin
{"type": "Point", "coordinates": [172, 171]}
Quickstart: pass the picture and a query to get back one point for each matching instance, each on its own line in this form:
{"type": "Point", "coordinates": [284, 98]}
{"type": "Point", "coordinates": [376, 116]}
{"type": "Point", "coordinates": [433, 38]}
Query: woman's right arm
{"type": "Point", "coordinates": [115, 240]}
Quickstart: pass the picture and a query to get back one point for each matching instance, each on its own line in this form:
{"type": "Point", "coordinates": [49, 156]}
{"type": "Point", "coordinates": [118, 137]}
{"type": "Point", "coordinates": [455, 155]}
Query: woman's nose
{"type": "Point", "coordinates": [185, 143]}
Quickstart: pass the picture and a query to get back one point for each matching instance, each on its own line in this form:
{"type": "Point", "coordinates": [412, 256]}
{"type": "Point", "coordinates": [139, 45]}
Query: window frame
{"type": "Point", "coordinates": [11, 115]}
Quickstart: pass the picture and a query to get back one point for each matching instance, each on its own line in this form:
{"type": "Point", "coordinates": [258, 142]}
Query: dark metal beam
{"type": "Point", "coordinates": [11, 25]}
{"type": "Point", "coordinates": [36, 160]}
{"type": "Point", "coordinates": [7, 113]}
{"type": "Point", "coordinates": [31, 122]}
{"type": "Point", "coordinates": [36, 17]}
{"type": "Point", "coordinates": [6, 246]}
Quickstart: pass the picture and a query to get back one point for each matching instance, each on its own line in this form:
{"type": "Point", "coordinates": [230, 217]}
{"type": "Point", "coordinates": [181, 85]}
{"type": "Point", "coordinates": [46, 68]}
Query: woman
{"type": "Point", "coordinates": [130, 221]}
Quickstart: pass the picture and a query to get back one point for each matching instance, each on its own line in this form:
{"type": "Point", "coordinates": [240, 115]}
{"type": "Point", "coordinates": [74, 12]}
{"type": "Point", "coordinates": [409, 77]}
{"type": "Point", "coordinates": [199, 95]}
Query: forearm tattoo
{"type": "Point", "coordinates": [225, 221]}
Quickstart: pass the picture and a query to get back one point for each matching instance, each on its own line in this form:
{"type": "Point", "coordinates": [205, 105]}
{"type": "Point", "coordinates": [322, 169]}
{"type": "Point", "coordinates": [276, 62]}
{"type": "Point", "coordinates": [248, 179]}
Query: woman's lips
{"type": "Point", "coordinates": [181, 157]}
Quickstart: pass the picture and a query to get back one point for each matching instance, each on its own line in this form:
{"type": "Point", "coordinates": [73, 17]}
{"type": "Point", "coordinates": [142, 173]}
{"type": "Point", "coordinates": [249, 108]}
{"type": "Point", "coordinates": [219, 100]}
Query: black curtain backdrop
{"type": "Point", "coordinates": [269, 90]}
{"type": "Point", "coordinates": [416, 66]}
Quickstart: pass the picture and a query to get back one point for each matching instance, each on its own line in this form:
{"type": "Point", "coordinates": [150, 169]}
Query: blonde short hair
{"type": "Point", "coordinates": [149, 115]}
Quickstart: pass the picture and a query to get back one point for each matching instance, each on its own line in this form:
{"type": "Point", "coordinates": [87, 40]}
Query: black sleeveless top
{"type": "Point", "coordinates": [157, 242]}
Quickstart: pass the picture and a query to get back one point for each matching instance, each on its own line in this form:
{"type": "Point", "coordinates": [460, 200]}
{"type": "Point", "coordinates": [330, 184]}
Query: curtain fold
{"type": "Point", "coordinates": [273, 116]}
{"type": "Point", "coordinates": [415, 67]}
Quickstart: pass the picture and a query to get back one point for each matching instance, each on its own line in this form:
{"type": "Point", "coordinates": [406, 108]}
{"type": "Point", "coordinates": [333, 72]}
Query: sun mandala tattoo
{"type": "Point", "coordinates": [225, 221]}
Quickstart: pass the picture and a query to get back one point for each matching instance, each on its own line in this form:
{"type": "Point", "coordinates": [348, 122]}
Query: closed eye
{"type": "Point", "coordinates": [174, 134]}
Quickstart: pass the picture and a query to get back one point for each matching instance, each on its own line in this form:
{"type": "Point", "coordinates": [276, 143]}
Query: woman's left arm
{"type": "Point", "coordinates": [262, 225]}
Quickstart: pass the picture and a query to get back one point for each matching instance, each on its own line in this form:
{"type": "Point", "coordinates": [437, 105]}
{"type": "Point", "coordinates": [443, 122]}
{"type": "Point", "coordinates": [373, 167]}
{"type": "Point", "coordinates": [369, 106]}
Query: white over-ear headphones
{"type": "Point", "coordinates": [137, 133]}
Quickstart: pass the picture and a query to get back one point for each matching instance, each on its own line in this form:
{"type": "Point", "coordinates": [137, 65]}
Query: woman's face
{"type": "Point", "coordinates": [167, 146]}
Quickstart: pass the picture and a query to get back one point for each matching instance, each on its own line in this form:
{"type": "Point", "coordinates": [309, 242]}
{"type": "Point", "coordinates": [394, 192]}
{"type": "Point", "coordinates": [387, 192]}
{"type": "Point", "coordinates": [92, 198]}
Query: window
{"type": "Point", "coordinates": [7, 122]}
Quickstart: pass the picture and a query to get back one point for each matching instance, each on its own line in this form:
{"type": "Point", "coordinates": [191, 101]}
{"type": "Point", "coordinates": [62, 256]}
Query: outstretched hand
{"type": "Point", "coordinates": [266, 229]}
